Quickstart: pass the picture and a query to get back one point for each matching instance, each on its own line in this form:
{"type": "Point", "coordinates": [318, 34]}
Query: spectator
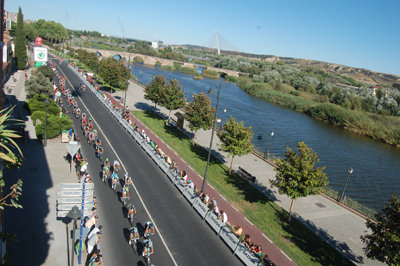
{"type": "Point", "coordinates": [190, 184]}
{"type": "Point", "coordinates": [258, 250]}
{"type": "Point", "coordinates": [91, 222]}
{"type": "Point", "coordinates": [237, 230]}
{"type": "Point", "coordinates": [223, 217]}
{"type": "Point", "coordinates": [92, 241]}
{"type": "Point", "coordinates": [184, 176]}
{"type": "Point", "coordinates": [267, 261]}
{"type": "Point", "coordinates": [247, 240]}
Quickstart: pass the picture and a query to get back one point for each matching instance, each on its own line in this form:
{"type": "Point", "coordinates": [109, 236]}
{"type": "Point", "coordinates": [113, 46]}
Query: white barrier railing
{"type": "Point", "coordinates": [241, 251]}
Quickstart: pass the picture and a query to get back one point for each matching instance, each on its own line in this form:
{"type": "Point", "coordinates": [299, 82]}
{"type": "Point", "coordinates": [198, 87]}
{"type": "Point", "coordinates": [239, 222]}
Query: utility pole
{"type": "Point", "coordinates": [129, 59]}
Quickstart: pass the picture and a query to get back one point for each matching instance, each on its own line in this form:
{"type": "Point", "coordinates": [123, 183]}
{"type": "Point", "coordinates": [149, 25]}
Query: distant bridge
{"type": "Point", "coordinates": [150, 60]}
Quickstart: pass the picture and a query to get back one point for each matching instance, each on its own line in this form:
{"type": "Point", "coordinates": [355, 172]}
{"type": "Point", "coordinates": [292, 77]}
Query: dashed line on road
{"type": "Point", "coordinates": [123, 166]}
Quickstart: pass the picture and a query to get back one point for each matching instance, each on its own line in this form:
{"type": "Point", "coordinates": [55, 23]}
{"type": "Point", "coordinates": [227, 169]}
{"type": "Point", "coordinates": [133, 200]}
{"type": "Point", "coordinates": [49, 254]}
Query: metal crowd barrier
{"type": "Point", "coordinates": [222, 231]}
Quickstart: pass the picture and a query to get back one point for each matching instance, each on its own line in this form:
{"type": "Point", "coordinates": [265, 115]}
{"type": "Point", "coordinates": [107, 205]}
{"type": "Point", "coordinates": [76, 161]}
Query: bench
{"type": "Point", "coordinates": [246, 175]}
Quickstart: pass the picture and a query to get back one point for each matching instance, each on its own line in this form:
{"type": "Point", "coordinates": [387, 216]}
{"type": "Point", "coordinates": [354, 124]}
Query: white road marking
{"type": "Point", "coordinates": [119, 159]}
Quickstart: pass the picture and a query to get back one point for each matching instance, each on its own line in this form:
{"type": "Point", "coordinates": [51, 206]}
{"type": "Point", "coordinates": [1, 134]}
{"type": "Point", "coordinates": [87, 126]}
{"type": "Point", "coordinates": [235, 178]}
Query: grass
{"type": "Point", "coordinates": [299, 243]}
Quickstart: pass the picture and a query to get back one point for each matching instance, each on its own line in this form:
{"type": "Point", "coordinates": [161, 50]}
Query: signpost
{"type": "Point", "coordinates": [72, 149]}
{"type": "Point", "coordinates": [75, 200]}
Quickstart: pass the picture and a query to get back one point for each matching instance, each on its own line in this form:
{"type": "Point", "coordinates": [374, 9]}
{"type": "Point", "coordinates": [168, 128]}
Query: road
{"type": "Point", "coordinates": [181, 237]}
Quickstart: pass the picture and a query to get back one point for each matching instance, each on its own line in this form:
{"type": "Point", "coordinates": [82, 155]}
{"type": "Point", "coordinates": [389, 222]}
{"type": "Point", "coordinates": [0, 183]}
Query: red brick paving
{"type": "Point", "coordinates": [234, 216]}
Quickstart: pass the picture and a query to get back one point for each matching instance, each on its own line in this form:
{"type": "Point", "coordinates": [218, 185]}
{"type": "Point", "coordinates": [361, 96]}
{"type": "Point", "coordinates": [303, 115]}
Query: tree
{"type": "Point", "coordinates": [297, 176]}
{"type": "Point", "coordinates": [11, 155]}
{"type": "Point", "coordinates": [172, 96]}
{"type": "Point", "coordinates": [383, 243]}
{"type": "Point", "coordinates": [46, 71]}
{"type": "Point", "coordinates": [153, 90]}
{"type": "Point", "coordinates": [236, 139]}
{"type": "Point", "coordinates": [20, 42]}
{"type": "Point", "coordinates": [113, 72]}
{"type": "Point", "coordinates": [199, 113]}
{"type": "Point", "coordinates": [38, 84]}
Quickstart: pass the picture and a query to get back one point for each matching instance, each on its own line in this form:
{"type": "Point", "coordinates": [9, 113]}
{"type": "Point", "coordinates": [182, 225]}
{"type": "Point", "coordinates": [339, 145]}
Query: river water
{"type": "Point", "coordinates": [376, 174]}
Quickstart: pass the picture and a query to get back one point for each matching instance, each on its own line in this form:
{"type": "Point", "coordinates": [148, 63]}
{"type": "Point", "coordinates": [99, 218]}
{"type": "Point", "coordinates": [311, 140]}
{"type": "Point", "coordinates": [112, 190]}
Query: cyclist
{"type": "Point", "coordinates": [124, 196]}
{"type": "Point", "coordinates": [149, 229]}
{"type": "Point", "coordinates": [114, 180]}
{"type": "Point", "coordinates": [116, 166]}
{"type": "Point", "coordinates": [90, 137]}
{"type": "Point", "coordinates": [100, 152]}
{"type": "Point", "coordinates": [97, 141]}
{"type": "Point", "coordinates": [131, 210]}
{"type": "Point", "coordinates": [128, 179]}
{"type": "Point", "coordinates": [83, 116]}
{"type": "Point", "coordinates": [133, 236]}
{"type": "Point", "coordinates": [78, 112]}
{"type": "Point", "coordinates": [107, 163]}
{"type": "Point", "coordinates": [148, 248]}
{"type": "Point", "coordinates": [106, 172]}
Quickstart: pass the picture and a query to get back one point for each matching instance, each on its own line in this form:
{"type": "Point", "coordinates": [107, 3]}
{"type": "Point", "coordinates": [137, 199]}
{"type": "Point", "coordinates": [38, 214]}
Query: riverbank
{"type": "Point", "coordinates": [318, 213]}
{"type": "Point", "coordinates": [379, 127]}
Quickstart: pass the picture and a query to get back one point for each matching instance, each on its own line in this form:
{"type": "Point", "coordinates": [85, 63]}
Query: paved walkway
{"type": "Point", "coordinates": [45, 240]}
{"type": "Point", "coordinates": [338, 226]}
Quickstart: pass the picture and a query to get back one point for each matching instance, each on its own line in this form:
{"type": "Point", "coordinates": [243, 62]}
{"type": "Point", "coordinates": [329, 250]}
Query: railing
{"type": "Point", "coordinates": [221, 229]}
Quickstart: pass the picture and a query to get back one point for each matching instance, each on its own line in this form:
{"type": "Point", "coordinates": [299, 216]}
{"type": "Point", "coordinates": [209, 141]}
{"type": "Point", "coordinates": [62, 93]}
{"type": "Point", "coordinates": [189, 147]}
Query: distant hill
{"type": "Point", "coordinates": [359, 74]}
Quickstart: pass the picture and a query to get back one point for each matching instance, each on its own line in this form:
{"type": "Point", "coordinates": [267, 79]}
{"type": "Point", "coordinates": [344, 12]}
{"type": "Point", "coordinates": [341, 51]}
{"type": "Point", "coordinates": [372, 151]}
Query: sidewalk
{"type": "Point", "coordinates": [340, 227]}
{"type": "Point", "coordinates": [48, 239]}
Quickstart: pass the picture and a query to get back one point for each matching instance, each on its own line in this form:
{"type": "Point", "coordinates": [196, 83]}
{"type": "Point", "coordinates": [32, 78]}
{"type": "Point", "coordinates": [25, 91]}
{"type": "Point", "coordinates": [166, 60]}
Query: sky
{"type": "Point", "coordinates": [356, 33]}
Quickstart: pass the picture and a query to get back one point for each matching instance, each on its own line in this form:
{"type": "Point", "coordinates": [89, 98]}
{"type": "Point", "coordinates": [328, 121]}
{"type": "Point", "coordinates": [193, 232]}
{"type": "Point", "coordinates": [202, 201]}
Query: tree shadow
{"type": "Point", "coordinates": [249, 192]}
{"type": "Point", "coordinates": [303, 235]}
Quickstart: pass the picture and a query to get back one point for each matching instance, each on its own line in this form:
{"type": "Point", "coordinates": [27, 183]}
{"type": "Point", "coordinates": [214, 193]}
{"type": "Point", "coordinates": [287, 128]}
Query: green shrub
{"type": "Point", "coordinates": [168, 68]}
{"type": "Point", "coordinates": [210, 74]}
{"type": "Point", "coordinates": [187, 70]}
{"type": "Point", "coordinates": [138, 59]}
{"type": "Point", "coordinates": [36, 103]}
{"type": "Point", "coordinates": [55, 124]}
{"type": "Point", "coordinates": [38, 115]}
{"type": "Point", "coordinates": [231, 78]}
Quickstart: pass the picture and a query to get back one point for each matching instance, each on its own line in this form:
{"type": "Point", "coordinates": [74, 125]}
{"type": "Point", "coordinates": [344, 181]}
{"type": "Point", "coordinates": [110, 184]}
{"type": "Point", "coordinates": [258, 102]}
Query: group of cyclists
{"type": "Point", "coordinates": [110, 171]}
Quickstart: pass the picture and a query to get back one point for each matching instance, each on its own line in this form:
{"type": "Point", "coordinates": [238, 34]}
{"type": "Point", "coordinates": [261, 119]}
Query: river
{"type": "Point", "coordinates": [376, 165]}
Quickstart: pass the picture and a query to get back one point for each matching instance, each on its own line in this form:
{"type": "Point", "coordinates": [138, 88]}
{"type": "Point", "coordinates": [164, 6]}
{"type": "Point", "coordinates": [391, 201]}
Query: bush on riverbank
{"type": "Point", "coordinates": [210, 74]}
{"type": "Point", "coordinates": [168, 68]}
{"type": "Point", "coordinates": [188, 70]}
{"type": "Point", "coordinates": [380, 127]}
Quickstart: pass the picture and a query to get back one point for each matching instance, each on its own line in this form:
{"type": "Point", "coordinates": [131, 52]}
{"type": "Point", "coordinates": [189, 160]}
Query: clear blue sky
{"type": "Point", "coordinates": [358, 33]}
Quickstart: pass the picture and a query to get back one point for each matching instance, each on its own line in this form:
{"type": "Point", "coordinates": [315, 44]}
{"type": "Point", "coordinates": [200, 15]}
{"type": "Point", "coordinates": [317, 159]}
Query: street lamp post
{"type": "Point", "coordinates": [129, 59]}
{"type": "Point", "coordinates": [45, 123]}
{"type": "Point", "coordinates": [269, 142]}
{"type": "Point", "coordinates": [222, 120]}
{"type": "Point", "coordinates": [212, 136]}
{"type": "Point", "coordinates": [349, 172]}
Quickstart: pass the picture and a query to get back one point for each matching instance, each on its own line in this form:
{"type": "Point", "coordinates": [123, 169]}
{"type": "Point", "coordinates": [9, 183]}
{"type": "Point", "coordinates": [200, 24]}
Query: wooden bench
{"type": "Point", "coordinates": [246, 175]}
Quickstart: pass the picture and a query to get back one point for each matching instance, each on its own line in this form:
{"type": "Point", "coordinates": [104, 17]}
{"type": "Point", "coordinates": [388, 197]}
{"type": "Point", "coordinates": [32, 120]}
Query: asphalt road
{"type": "Point", "coordinates": [186, 239]}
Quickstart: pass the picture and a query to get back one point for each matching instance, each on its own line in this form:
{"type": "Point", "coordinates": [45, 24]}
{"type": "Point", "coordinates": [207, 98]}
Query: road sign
{"type": "Point", "coordinates": [72, 148]}
{"type": "Point", "coordinates": [75, 186]}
